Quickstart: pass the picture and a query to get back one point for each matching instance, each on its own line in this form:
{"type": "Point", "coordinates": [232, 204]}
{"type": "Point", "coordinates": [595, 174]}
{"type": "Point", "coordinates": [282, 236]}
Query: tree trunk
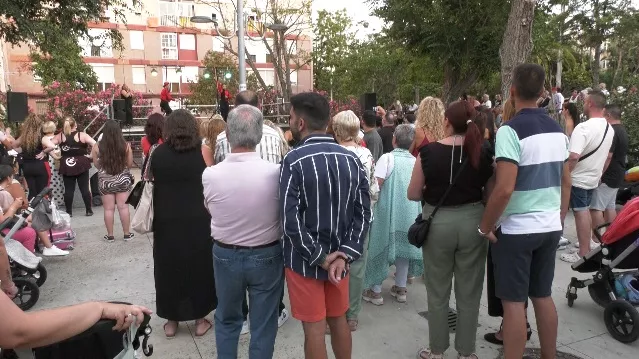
{"type": "Point", "coordinates": [596, 66]}
{"type": "Point", "coordinates": [516, 45]}
{"type": "Point", "coordinates": [454, 84]}
{"type": "Point", "coordinates": [618, 69]}
{"type": "Point", "coordinates": [560, 68]}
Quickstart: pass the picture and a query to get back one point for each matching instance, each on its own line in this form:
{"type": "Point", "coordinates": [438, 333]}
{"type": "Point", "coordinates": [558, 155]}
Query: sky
{"type": "Point", "coordinates": [357, 9]}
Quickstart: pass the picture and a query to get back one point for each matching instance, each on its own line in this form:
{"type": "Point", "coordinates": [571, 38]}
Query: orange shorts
{"type": "Point", "coordinates": [313, 300]}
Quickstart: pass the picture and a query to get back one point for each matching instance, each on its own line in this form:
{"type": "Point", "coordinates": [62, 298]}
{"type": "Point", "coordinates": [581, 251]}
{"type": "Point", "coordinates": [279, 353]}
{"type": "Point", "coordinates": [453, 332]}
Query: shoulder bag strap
{"type": "Point", "coordinates": [441, 200]}
{"type": "Point", "coordinates": [596, 149]}
{"type": "Point", "coordinates": [146, 166]}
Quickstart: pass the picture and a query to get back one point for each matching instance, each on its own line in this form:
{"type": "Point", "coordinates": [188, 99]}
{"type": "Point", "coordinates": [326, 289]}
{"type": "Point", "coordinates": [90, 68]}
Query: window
{"type": "Point", "coordinates": [291, 47]}
{"type": "Point", "coordinates": [294, 77]}
{"type": "Point", "coordinates": [176, 13]}
{"type": "Point", "coordinates": [173, 78]}
{"type": "Point", "coordinates": [137, 40]}
{"type": "Point", "coordinates": [169, 46]}
{"type": "Point", "coordinates": [190, 74]}
{"type": "Point", "coordinates": [253, 58]}
{"type": "Point", "coordinates": [268, 76]}
{"type": "Point", "coordinates": [98, 44]}
{"type": "Point", "coordinates": [187, 42]}
{"type": "Point", "coordinates": [105, 74]}
{"type": "Point", "coordinates": [138, 74]}
{"type": "Point", "coordinates": [218, 44]}
{"type": "Point", "coordinates": [269, 58]}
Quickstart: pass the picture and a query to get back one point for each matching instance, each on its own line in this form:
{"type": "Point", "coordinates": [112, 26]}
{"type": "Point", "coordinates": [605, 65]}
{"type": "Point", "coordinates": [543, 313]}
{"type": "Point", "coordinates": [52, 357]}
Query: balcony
{"type": "Point", "coordinates": [176, 14]}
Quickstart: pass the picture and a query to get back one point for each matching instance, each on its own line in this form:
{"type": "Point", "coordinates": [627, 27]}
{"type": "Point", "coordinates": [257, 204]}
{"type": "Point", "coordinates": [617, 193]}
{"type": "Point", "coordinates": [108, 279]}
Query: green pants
{"type": "Point", "coordinates": [356, 284]}
{"type": "Point", "coordinates": [454, 248]}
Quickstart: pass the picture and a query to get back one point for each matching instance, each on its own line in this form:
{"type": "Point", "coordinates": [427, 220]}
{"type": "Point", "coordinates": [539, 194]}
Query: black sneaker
{"type": "Point", "coordinates": [109, 239]}
{"type": "Point", "coordinates": [89, 213]}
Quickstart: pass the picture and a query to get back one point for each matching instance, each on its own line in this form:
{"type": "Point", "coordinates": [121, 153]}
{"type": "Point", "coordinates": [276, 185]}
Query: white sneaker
{"type": "Point", "coordinates": [575, 246]}
{"type": "Point", "coordinates": [54, 252]}
{"type": "Point", "coordinates": [246, 327]}
{"type": "Point", "coordinates": [283, 318]}
{"type": "Point", "coordinates": [570, 257]}
{"type": "Point", "coordinates": [563, 243]}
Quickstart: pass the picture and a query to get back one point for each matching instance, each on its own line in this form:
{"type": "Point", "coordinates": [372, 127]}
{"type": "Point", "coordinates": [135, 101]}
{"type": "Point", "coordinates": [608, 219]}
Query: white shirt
{"type": "Point", "coordinates": [488, 104]}
{"type": "Point", "coordinates": [270, 147]}
{"type": "Point", "coordinates": [559, 100]}
{"type": "Point", "coordinates": [584, 139]}
{"type": "Point", "coordinates": [384, 166]}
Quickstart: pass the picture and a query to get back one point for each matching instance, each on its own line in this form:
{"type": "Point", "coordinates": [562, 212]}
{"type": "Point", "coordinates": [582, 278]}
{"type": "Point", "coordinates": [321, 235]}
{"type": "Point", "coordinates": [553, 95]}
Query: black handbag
{"type": "Point", "coordinates": [418, 231]}
{"type": "Point", "coordinates": [136, 194]}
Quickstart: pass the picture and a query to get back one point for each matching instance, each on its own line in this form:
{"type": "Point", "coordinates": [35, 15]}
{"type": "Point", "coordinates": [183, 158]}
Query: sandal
{"type": "Point", "coordinates": [425, 353]}
{"type": "Point", "coordinates": [108, 238]}
{"type": "Point", "coordinates": [170, 334]}
{"type": "Point", "coordinates": [197, 325]}
{"type": "Point", "coordinates": [352, 324]}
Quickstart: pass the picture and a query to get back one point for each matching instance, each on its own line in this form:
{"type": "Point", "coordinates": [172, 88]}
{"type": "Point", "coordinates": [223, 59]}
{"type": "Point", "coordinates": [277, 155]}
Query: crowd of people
{"type": "Point", "coordinates": [330, 216]}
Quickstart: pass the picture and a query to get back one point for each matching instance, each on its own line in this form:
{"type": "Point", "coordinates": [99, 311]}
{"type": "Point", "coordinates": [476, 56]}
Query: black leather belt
{"type": "Point", "coordinates": [233, 246]}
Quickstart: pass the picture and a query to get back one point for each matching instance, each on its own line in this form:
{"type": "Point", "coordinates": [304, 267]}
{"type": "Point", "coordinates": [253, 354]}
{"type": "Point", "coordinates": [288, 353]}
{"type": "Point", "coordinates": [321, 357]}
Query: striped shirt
{"type": "Point", "coordinates": [270, 147]}
{"type": "Point", "coordinates": [537, 145]}
{"type": "Point", "coordinates": [325, 204]}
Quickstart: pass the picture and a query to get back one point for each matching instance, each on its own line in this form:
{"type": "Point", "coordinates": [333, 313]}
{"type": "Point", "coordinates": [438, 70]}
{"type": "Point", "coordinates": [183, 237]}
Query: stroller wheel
{"type": "Point", "coordinates": [622, 321]}
{"type": "Point", "coordinates": [28, 293]}
{"type": "Point", "coordinates": [571, 295]}
{"type": "Point", "coordinates": [40, 275]}
{"type": "Point", "coordinates": [599, 293]}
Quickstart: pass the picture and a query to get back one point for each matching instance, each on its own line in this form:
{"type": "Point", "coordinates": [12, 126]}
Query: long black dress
{"type": "Point", "coordinates": [182, 245]}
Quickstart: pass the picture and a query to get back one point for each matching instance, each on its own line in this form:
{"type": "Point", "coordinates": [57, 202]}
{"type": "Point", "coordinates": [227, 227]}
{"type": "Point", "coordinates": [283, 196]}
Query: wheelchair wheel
{"type": "Point", "coordinates": [599, 294]}
{"type": "Point", "coordinates": [622, 321]}
{"type": "Point", "coordinates": [40, 275]}
{"type": "Point", "coordinates": [28, 293]}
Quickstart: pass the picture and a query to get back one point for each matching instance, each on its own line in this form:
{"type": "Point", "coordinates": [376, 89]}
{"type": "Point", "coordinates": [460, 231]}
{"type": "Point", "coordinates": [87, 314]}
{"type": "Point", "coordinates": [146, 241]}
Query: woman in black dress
{"type": "Point", "coordinates": [127, 96]}
{"type": "Point", "coordinates": [182, 244]}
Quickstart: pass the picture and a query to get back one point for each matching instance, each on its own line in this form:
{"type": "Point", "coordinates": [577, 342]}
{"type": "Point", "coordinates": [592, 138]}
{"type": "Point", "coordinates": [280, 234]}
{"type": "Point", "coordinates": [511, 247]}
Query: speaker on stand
{"type": "Point", "coordinates": [17, 106]}
{"type": "Point", "coordinates": [368, 101]}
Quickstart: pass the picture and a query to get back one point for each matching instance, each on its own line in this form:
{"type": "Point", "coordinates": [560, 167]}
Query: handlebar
{"type": "Point", "coordinates": [38, 198]}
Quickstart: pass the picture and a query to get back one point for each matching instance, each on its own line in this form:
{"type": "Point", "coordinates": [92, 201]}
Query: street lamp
{"type": "Point", "coordinates": [331, 70]}
{"type": "Point", "coordinates": [154, 72]}
{"type": "Point", "coordinates": [241, 22]}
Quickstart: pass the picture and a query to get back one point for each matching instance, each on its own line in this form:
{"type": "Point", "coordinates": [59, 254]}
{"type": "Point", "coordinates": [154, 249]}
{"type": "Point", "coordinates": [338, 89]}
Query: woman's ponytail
{"type": "Point", "coordinates": [473, 143]}
{"type": "Point", "coordinates": [69, 124]}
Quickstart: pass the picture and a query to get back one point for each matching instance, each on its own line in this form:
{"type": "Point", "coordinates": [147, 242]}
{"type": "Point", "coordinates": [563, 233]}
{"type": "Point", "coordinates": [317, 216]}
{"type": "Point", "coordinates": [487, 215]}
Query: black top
{"type": "Point", "coordinates": [545, 102]}
{"type": "Point", "coordinates": [436, 162]}
{"type": "Point", "coordinates": [613, 177]}
{"type": "Point", "coordinates": [386, 133]}
{"type": "Point", "coordinates": [71, 148]}
{"type": "Point", "coordinates": [31, 155]}
{"type": "Point", "coordinates": [74, 162]}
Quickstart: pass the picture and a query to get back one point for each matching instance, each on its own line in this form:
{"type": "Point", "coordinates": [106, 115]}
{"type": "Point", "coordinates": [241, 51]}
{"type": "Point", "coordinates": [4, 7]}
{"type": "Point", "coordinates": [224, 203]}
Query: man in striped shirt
{"type": "Point", "coordinates": [270, 147]}
{"type": "Point", "coordinates": [326, 214]}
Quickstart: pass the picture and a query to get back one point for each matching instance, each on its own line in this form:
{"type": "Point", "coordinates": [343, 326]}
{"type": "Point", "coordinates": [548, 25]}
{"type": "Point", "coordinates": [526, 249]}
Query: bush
{"type": "Point", "coordinates": [629, 102]}
{"type": "Point", "coordinates": [85, 106]}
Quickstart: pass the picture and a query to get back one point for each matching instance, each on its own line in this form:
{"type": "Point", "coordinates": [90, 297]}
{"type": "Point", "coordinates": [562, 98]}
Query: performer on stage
{"type": "Point", "coordinates": [224, 97]}
{"type": "Point", "coordinates": [127, 96]}
{"type": "Point", "coordinates": [165, 98]}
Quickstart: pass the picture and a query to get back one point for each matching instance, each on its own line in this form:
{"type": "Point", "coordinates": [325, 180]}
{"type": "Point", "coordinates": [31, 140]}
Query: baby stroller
{"type": "Point", "coordinates": [26, 270]}
{"type": "Point", "coordinates": [618, 250]}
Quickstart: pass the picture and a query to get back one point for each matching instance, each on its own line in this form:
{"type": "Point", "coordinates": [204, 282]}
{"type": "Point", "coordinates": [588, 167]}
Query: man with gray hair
{"type": "Point", "coordinates": [241, 193]}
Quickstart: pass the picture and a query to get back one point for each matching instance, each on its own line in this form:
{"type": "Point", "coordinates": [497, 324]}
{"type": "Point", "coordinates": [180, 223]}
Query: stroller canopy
{"type": "Point", "coordinates": [627, 222]}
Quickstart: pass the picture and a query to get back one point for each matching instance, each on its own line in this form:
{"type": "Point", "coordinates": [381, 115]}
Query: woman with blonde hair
{"type": "Point", "coordinates": [75, 163]}
{"type": "Point", "coordinates": [35, 162]}
{"type": "Point", "coordinates": [509, 110]}
{"type": "Point", "coordinates": [429, 125]}
{"type": "Point", "coordinates": [345, 127]}
{"type": "Point", "coordinates": [209, 130]}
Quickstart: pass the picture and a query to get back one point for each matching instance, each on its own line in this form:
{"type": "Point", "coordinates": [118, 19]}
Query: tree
{"type": "Point", "coordinates": [594, 23]}
{"type": "Point", "coordinates": [331, 42]}
{"type": "Point", "coordinates": [517, 43]}
{"type": "Point", "coordinates": [216, 66]}
{"type": "Point", "coordinates": [64, 64]}
{"type": "Point", "coordinates": [461, 37]}
{"type": "Point", "coordinates": [286, 56]}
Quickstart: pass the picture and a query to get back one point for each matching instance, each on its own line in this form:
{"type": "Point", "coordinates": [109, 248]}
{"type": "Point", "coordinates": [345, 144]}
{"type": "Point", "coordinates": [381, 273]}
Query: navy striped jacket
{"type": "Point", "coordinates": [325, 204]}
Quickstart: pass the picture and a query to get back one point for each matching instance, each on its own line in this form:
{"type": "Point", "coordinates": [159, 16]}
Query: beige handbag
{"type": "Point", "coordinates": [142, 221]}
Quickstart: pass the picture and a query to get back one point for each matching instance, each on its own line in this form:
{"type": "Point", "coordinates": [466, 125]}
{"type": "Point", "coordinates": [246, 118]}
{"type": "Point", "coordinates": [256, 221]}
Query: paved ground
{"type": "Point", "coordinates": [97, 270]}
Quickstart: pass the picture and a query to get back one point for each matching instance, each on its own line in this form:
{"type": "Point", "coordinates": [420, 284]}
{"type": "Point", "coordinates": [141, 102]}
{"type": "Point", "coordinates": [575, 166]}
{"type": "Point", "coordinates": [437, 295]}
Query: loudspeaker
{"type": "Point", "coordinates": [119, 110]}
{"type": "Point", "coordinates": [368, 101]}
{"type": "Point", "coordinates": [17, 106]}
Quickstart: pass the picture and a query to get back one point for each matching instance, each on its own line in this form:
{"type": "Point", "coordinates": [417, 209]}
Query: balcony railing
{"type": "Point", "coordinates": [176, 13]}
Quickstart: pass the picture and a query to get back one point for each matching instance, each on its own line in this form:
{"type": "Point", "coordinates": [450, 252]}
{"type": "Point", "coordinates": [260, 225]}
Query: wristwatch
{"type": "Point", "coordinates": [480, 232]}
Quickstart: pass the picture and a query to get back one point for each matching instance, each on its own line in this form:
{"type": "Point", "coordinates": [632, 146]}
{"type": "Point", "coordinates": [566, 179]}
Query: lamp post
{"type": "Point", "coordinates": [241, 22]}
{"type": "Point", "coordinates": [331, 70]}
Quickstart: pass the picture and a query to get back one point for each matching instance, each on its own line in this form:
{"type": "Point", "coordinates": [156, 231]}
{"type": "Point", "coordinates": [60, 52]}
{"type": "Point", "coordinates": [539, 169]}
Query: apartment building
{"type": "Point", "coordinates": [161, 45]}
